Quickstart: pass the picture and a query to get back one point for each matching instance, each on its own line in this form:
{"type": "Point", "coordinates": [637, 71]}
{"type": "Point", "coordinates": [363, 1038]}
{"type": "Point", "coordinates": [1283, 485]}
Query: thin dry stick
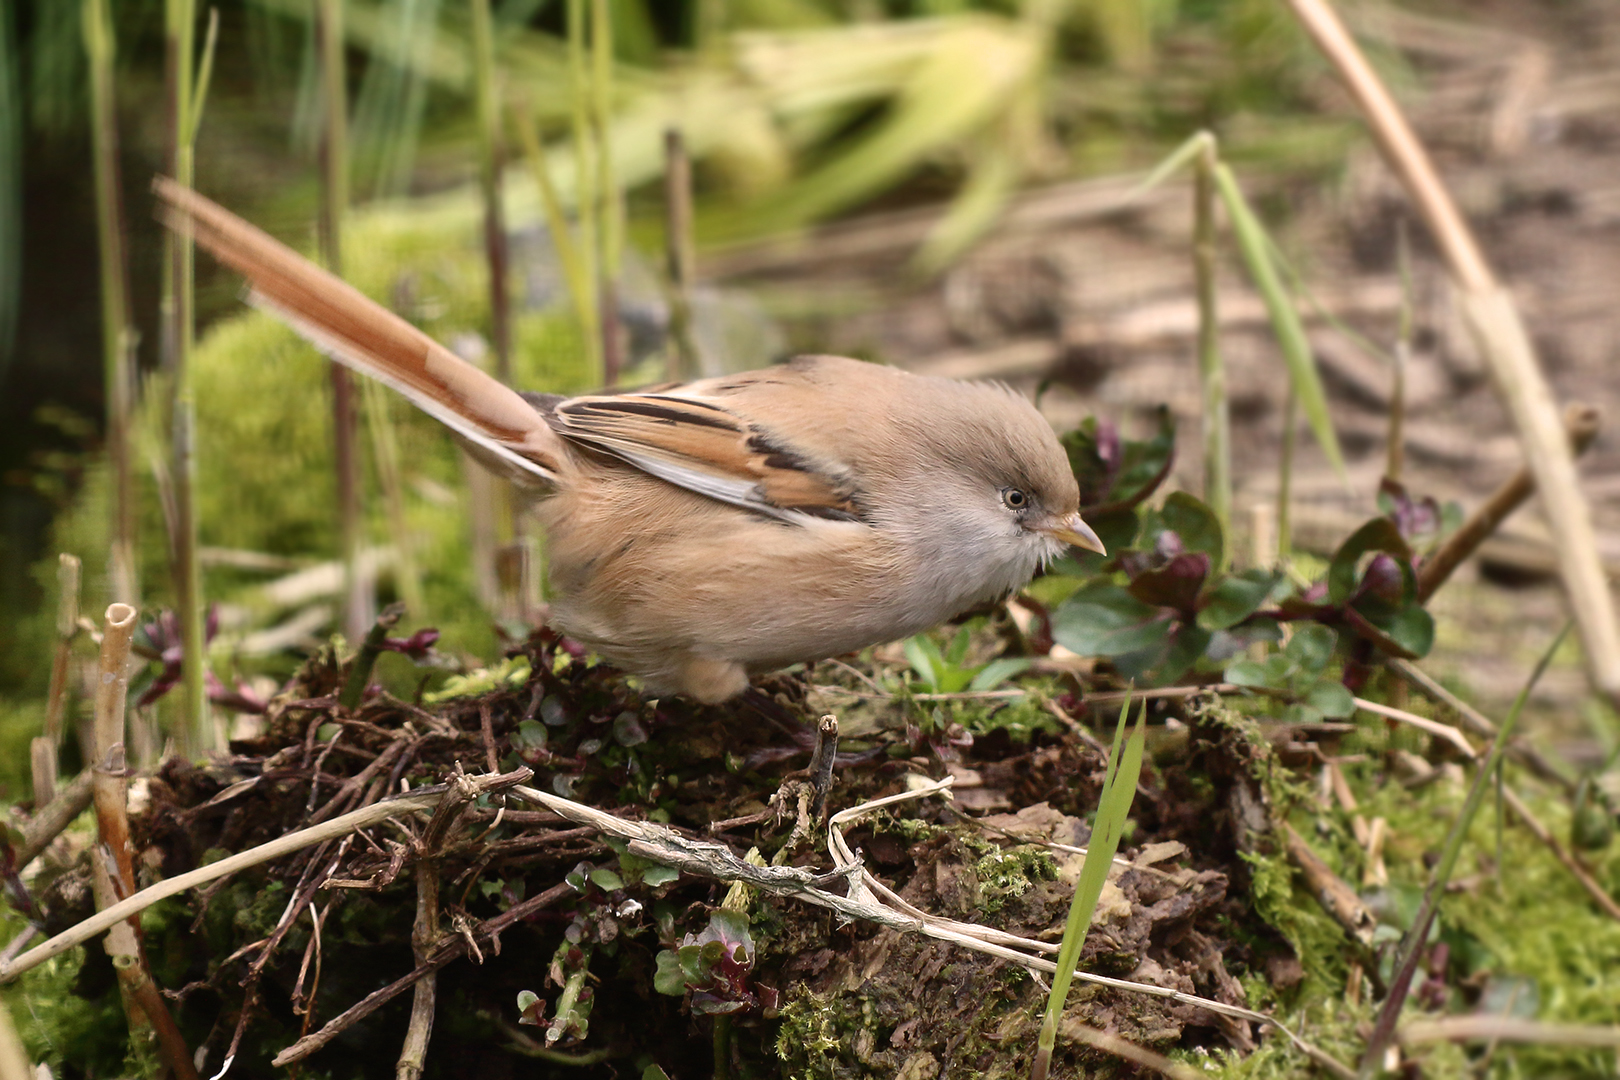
{"type": "Point", "coordinates": [452, 949]}
{"type": "Point", "coordinates": [1500, 334]}
{"type": "Point", "coordinates": [1129, 1051]}
{"type": "Point", "coordinates": [1335, 895]}
{"type": "Point", "coordinates": [45, 747]}
{"type": "Point", "coordinates": [425, 931]}
{"type": "Point", "coordinates": [1422, 723]}
{"type": "Point", "coordinates": [1581, 424]}
{"type": "Point", "coordinates": [1476, 721]}
{"type": "Point", "coordinates": [1596, 891]}
{"type": "Point", "coordinates": [416, 801]}
{"type": "Point", "coordinates": [55, 816]}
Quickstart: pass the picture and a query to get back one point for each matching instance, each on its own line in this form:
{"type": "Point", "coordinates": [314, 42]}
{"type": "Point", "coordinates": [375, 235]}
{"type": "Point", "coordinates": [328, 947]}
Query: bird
{"type": "Point", "coordinates": [701, 533]}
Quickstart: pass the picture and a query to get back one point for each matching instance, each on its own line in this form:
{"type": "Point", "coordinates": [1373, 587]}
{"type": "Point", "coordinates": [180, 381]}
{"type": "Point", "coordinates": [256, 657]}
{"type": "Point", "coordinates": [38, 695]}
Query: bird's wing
{"type": "Point", "coordinates": [363, 335]}
{"type": "Point", "coordinates": [691, 437]}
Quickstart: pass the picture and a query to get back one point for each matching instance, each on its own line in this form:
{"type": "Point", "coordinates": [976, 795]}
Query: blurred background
{"type": "Point", "coordinates": [948, 185]}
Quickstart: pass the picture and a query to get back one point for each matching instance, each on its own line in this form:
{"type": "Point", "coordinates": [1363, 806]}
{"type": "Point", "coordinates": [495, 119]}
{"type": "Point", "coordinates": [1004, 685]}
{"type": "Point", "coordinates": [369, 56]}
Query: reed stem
{"type": "Point", "coordinates": [682, 258]}
{"type": "Point", "coordinates": [117, 334]}
{"type": "Point", "coordinates": [334, 164]}
{"type": "Point", "coordinates": [194, 732]}
{"type": "Point", "coordinates": [607, 200]}
{"type": "Point", "coordinates": [1285, 476]}
{"type": "Point", "coordinates": [1211, 369]}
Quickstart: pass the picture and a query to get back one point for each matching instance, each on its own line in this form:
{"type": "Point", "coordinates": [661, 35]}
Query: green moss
{"type": "Point", "coordinates": [1013, 872]}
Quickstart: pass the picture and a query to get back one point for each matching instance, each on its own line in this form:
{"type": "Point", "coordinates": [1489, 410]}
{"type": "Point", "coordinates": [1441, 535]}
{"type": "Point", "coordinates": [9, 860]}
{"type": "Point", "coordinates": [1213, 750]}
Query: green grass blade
{"type": "Point", "coordinates": [1179, 157]}
{"type": "Point", "coordinates": [205, 75]}
{"type": "Point", "coordinates": [1285, 323]}
{"type": "Point", "coordinates": [1113, 810]}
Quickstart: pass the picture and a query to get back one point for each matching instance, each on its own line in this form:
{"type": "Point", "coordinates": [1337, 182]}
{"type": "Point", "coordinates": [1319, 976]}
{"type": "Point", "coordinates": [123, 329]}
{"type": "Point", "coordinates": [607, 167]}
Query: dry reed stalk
{"type": "Point", "coordinates": [1494, 322]}
{"type": "Point", "coordinates": [113, 864]}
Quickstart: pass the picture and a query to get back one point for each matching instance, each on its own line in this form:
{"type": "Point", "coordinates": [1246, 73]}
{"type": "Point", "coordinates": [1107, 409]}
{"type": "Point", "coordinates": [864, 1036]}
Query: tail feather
{"type": "Point", "coordinates": [363, 335]}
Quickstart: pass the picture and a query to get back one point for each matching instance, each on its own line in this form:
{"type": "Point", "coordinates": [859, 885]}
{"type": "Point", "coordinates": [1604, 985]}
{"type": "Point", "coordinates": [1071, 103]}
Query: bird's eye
{"type": "Point", "coordinates": [1014, 499]}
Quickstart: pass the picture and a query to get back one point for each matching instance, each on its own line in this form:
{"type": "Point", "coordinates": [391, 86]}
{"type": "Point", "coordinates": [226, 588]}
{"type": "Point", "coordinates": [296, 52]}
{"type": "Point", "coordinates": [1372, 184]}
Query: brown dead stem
{"type": "Point", "coordinates": [1581, 422]}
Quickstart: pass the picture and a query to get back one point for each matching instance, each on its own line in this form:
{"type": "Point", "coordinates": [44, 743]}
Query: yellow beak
{"type": "Point", "coordinates": [1072, 529]}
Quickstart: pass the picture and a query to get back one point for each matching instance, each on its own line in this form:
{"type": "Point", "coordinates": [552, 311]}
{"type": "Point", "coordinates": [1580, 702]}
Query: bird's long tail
{"type": "Point", "coordinates": [360, 333]}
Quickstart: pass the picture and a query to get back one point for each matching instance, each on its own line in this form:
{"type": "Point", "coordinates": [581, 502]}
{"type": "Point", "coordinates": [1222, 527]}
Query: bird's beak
{"type": "Point", "coordinates": [1072, 529]}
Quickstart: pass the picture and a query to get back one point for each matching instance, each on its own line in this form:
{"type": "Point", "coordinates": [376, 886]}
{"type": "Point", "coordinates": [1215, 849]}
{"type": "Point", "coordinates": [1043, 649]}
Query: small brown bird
{"type": "Point", "coordinates": [701, 532]}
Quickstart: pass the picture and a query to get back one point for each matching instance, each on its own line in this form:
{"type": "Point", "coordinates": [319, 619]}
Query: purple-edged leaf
{"type": "Point", "coordinates": [531, 1008]}
{"type": "Point", "coordinates": [1377, 535]}
{"type": "Point", "coordinates": [1195, 523]}
{"type": "Point", "coordinates": [1103, 619]}
{"type": "Point", "coordinates": [1420, 521]}
{"type": "Point", "coordinates": [1175, 585]}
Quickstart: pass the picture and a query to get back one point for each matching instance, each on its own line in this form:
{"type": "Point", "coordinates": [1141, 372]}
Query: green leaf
{"type": "Point", "coordinates": [530, 735]}
{"type": "Point", "coordinates": [958, 649]}
{"type": "Point", "coordinates": [925, 660]}
{"type": "Point", "coordinates": [1311, 647]}
{"type": "Point", "coordinates": [1331, 699]}
{"type": "Point", "coordinates": [1246, 673]}
{"type": "Point", "coordinates": [655, 875]}
{"type": "Point", "coordinates": [1236, 597]}
{"type": "Point", "coordinates": [1411, 630]}
{"type": "Point", "coordinates": [1302, 714]}
{"type": "Point", "coordinates": [606, 879]}
{"type": "Point", "coordinates": [1103, 619]}
{"type": "Point", "coordinates": [1195, 523]}
{"type": "Point", "coordinates": [669, 977]}
{"type": "Point", "coordinates": [999, 671]}
{"type": "Point", "coordinates": [1285, 323]}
